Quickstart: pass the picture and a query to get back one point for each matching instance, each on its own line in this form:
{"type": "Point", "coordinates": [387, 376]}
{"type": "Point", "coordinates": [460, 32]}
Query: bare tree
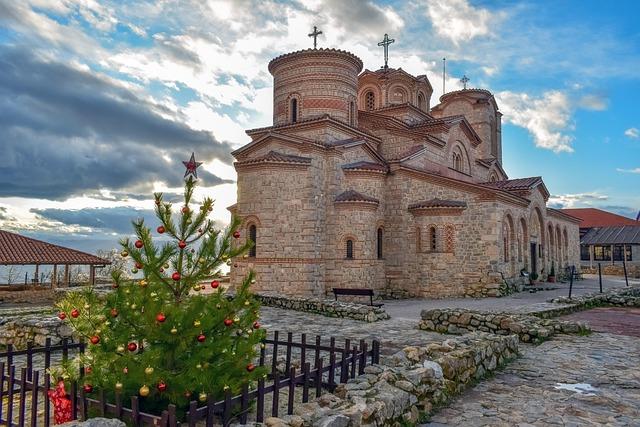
{"type": "Point", "coordinates": [12, 274]}
{"type": "Point", "coordinates": [118, 263]}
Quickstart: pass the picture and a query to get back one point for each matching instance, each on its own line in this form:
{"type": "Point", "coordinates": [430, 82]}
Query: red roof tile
{"type": "Point", "coordinates": [354, 196]}
{"type": "Point", "coordinates": [17, 249]}
{"type": "Point", "coordinates": [592, 217]}
{"type": "Point", "coordinates": [438, 203]}
{"type": "Point", "coordinates": [365, 166]}
{"type": "Point", "coordinates": [515, 184]}
{"type": "Point", "coordinates": [274, 156]}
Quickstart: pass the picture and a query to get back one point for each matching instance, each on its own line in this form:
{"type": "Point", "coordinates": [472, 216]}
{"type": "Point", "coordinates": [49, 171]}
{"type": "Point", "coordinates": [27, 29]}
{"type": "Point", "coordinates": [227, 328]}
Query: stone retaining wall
{"type": "Point", "coordinates": [499, 288]}
{"type": "Point", "coordinates": [20, 330]}
{"type": "Point", "coordinates": [408, 385]}
{"type": "Point", "coordinates": [329, 308]}
{"type": "Point", "coordinates": [528, 328]}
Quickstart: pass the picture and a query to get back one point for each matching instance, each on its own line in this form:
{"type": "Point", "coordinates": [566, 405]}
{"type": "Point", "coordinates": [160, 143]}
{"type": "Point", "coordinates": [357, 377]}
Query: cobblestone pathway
{"type": "Point", "coordinates": [393, 334]}
{"type": "Point", "coordinates": [617, 320]}
{"type": "Point", "coordinates": [569, 381]}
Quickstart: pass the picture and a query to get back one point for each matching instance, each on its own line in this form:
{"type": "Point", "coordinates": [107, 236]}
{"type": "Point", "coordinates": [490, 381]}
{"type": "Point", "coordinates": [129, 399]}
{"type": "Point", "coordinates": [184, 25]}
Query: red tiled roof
{"type": "Point", "coordinates": [17, 249]}
{"type": "Point", "coordinates": [515, 184]}
{"type": "Point", "coordinates": [438, 203]}
{"type": "Point", "coordinates": [592, 217]}
{"type": "Point", "coordinates": [274, 156]}
{"type": "Point", "coordinates": [354, 196]}
{"type": "Point", "coordinates": [365, 166]}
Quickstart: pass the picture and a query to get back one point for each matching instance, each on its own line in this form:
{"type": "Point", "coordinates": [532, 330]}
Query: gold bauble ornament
{"type": "Point", "coordinates": [144, 391]}
{"type": "Point", "coordinates": [124, 254]}
{"type": "Point", "coordinates": [196, 323]}
{"type": "Point", "coordinates": [225, 388]}
{"type": "Point", "coordinates": [196, 287]}
{"type": "Point", "coordinates": [236, 319]}
{"type": "Point", "coordinates": [143, 283]}
{"type": "Point", "coordinates": [148, 370]}
{"type": "Point", "coordinates": [166, 265]}
{"type": "Point", "coordinates": [174, 331]}
{"type": "Point", "coordinates": [218, 306]}
{"type": "Point", "coordinates": [245, 256]}
{"type": "Point", "coordinates": [247, 302]}
{"type": "Point", "coordinates": [127, 291]}
{"type": "Point", "coordinates": [253, 281]}
{"type": "Point", "coordinates": [134, 306]}
{"type": "Point", "coordinates": [202, 397]}
{"type": "Point", "coordinates": [119, 386]}
{"type": "Point", "coordinates": [87, 306]}
{"type": "Point", "coordinates": [198, 366]}
{"type": "Point", "coordinates": [120, 349]}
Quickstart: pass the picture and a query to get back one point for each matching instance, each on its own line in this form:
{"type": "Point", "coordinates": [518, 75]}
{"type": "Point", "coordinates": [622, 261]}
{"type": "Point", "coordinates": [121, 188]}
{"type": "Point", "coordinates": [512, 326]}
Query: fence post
{"type": "Point", "coordinates": [29, 360]}
{"type": "Point", "coordinates": [573, 270]}
{"type": "Point", "coordinates": [23, 397]}
{"type": "Point", "coordinates": [34, 398]}
{"type": "Point", "coordinates": [600, 275]}
{"type": "Point", "coordinates": [624, 266]}
{"type": "Point", "coordinates": [292, 390]}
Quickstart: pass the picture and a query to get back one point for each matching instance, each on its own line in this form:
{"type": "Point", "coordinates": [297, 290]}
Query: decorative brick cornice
{"type": "Point", "coordinates": [320, 53]}
{"type": "Point", "coordinates": [353, 199]}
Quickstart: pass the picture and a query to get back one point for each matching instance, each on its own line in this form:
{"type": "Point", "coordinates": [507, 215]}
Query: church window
{"type": "Point", "coordinates": [352, 113]}
{"type": "Point", "coordinates": [433, 239]}
{"type": "Point", "coordinates": [398, 96]}
{"type": "Point", "coordinates": [294, 110]}
{"type": "Point", "coordinates": [418, 240]}
{"type": "Point", "coordinates": [379, 242]}
{"type": "Point", "coordinates": [449, 238]}
{"type": "Point", "coordinates": [349, 249]}
{"type": "Point", "coordinates": [457, 161]}
{"type": "Point", "coordinates": [493, 177]}
{"type": "Point", "coordinates": [370, 101]}
{"type": "Point", "coordinates": [253, 236]}
{"type": "Point", "coordinates": [505, 243]}
{"type": "Point", "coordinates": [421, 102]}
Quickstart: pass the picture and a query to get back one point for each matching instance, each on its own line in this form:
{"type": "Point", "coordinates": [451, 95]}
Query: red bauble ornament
{"type": "Point", "coordinates": [114, 312]}
{"type": "Point", "coordinates": [88, 370]}
{"type": "Point", "coordinates": [160, 317]}
{"type": "Point", "coordinates": [132, 346]}
{"type": "Point", "coordinates": [200, 230]}
{"type": "Point", "coordinates": [162, 386]}
{"type": "Point", "coordinates": [228, 322]}
{"type": "Point", "coordinates": [94, 339]}
{"type": "Point", "coordinates": [160, 229]}
{"type": "Point", "coordinates": [236, 234]}
{"type": "Point", "coordinates": [251, 367]}
{"type": "Point", "coordinates": [138, 265]}
{"type": "Point", "coordinates": [138, 244]}
{"type": "Point", "coordinates": [157, 202]}
{"type": "Point", "coordinates": [215, 284]}
{"type": "Point", "coordinates": [125, 370]}
{"type": "Point", "coordinates": [175, 276]}
{"type": "Point", "coordinates": [182, 244]}
{"type": "Point", "coordinates": [88, 388]}
{"type": "Point", "coordinates": [185, 209]}
{"type": "Point", "coordinates": [75, 313]}
{"type": "Point", "coordinates": [256, 325]}
{"type": "Point", "coordinates": [201, 338]}
{"type": "Point", "coordinates": [161, 270]}
{"type": "Point", "coordinates": [62, 315]}
{"type": "Point", "coordinates": [115, 286]}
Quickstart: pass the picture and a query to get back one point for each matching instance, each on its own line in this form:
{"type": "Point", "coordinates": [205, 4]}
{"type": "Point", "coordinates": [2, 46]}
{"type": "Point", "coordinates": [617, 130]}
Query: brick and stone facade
{"type": "Point", "coordinates": [361, 183]}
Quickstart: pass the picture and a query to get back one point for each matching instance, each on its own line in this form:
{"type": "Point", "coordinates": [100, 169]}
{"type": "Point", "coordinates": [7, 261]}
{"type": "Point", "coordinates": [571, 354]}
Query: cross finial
{"type": "Point", "coordinates": [386, 41]}
{"type": "Point", "coordinates": [315, 35]}
{"type": "Point", "coordinates": [464, 80]}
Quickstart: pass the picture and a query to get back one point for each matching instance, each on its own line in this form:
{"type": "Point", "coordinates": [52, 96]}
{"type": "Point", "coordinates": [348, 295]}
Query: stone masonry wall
{"type": "Point", "coordinates": [528, 328]}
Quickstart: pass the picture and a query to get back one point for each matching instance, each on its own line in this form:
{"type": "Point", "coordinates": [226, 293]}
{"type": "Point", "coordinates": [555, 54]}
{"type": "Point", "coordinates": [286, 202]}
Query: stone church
{"type": "Point", "coordinates": [362, 183]}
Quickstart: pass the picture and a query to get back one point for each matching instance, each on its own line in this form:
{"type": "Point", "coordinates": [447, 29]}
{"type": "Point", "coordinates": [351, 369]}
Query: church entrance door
{"type": "Point", "coordinates": [534, 257]}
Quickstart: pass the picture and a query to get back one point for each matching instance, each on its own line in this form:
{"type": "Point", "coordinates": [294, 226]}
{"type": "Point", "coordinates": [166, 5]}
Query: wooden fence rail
{"type": "Point", "coordinates": [305, 368]}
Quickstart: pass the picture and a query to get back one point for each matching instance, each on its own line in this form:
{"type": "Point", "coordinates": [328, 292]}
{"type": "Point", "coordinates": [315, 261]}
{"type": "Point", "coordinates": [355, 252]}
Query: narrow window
{"type": "Point", "coordinates": [294, 110]}
{"type": "Point", "coordinates": [380, 243]}
{"type": "Point", "coordinates": [433, 240]}
{"type": "Point", "coordinates": [584, 253]}
{"type": "Point", "coordinates": [505, 242]}
{"type": "Point", "coordinates": [370, 101]}
{"type": "Point", "coordinates": [253, 234]}
{"type": "Point", "coordinates": [418, 240]}
{"type": "Point", "coordinates": [349, 249]}
{"type": "Point", "coordinates": [352, 113]}
{"type": "Point", "coordinates": [421, 102]}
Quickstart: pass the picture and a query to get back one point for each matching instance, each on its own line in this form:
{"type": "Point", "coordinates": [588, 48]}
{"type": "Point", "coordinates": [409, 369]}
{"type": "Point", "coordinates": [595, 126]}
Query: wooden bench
{"type": "Point", "coordinates": [356, 292]}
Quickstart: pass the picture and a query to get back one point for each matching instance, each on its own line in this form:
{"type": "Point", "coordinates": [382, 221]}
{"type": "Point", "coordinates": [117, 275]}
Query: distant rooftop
{"type": "Point", "coordinates": [626, 234]}
{"type": "Point", "coordinates": [592, 217]}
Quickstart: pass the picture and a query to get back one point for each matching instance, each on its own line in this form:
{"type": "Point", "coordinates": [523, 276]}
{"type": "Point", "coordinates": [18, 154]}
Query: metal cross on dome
{"type": "Point", "coordinates": [464, 80]}
{"type": "Point", "coordinates": [386, 41]}
{"type": "Point", "coordinates": [315, 35]}
{"type": "Point", "coordinates": [191, 166]}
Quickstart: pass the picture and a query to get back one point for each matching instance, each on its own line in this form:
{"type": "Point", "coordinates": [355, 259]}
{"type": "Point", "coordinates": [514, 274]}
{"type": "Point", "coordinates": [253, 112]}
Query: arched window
{"type": "Point", "coordinates": [421, 102]}
{"type": "Point", "coordinates": [398, 95]}
{"type": "Point", "coordinates": [493, 177]}
{"type": "Point", "coordinates": [349, 249]}
{"type": "Point", "coordinates": [370, 101]}
{"type": "Point", "coordinates": [294, 110]}
{"type": "Point", "coordinates": [253, 235]}
{"type": "Point", "coordinates": [505, 243]}
{"type": "Point", "coordinates": [433, 239]}
{"type": "Point", "coordinates": [457, 161]}
{"type": "Point", "coordinates": [379, 243]}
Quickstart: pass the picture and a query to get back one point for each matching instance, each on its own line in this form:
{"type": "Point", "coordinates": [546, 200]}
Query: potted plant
{"type": "Point", "coordinates": [533, 277]}
{"type": "Point", "coordinates": [552, 274]}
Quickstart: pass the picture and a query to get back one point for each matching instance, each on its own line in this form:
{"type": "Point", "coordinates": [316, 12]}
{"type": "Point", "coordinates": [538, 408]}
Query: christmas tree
{"type": "Point", "coordinates": [159, 336]}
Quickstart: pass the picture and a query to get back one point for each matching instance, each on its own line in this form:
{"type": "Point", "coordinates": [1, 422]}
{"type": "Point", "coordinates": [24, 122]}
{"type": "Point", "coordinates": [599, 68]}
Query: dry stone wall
{"type": "Point", "coordinates": [528, 328]}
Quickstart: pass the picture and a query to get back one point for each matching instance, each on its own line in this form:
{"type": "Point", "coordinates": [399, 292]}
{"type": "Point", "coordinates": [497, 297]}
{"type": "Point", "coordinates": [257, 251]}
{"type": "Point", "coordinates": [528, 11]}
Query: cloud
{"type": "Point", "coordinates": [107, 220]}
{"type": "Point", "coordinates": [622, 210]}
{"type": "Point", "coordinates": [547, 118]}
{"type": "Point", "coordinates": [67, 130]}
{"type": "Point", "coordinates": [593, 102]}
{"type": "Point", "coordinates": [458, 21]}
{"type": "Point", "coordinates": [632, 133]}
{"type": "Point", "coordinates": [634, 170]}
{"type": "Point", "coordinates": [560, 201]}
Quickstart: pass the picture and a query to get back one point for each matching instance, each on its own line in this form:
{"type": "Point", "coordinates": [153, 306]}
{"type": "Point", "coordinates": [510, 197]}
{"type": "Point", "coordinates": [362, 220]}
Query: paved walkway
{"type": "Point", "coordinates": [617, 320]}
{"type": "Point", "coordinates": [569, 381]}
{"type": "Point", "coordinates": [520, 302]}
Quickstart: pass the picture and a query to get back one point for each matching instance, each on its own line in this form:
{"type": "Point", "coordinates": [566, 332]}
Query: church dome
{"type": "Point", "coordinates": [315, 82]}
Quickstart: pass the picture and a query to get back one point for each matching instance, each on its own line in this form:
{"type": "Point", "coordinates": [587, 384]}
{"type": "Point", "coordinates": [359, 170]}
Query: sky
{"type": "Point", "coordinates": [101, 101]}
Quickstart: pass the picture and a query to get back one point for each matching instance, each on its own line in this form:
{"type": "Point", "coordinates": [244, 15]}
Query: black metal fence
{"type": "Point", "coordinates": [299, 368]}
